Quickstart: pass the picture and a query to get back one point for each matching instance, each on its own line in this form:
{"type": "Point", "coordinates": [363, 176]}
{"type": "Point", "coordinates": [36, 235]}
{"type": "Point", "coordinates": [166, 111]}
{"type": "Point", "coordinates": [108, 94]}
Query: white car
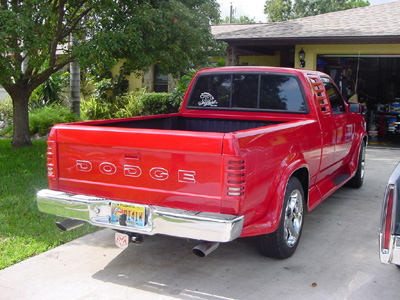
{"type": "Point", "coordinates": [389, 231]}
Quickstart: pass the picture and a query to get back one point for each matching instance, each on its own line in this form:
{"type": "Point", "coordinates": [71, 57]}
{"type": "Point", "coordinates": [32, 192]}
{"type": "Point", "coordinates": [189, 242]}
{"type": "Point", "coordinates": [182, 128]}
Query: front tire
{"type": "Point", "coordinates": [283, 242]}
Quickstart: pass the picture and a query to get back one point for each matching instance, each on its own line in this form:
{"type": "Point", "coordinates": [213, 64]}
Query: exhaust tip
{"type": "Point", "coordinates": [205, 248]}
{"type": "Point", "coordinates": [69, 224]}
{"type": "Point", "coordinates": [198, 252]}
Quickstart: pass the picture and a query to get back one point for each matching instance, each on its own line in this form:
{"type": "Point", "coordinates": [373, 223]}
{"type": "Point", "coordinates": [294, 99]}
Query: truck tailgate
{"type": "Point", "coordinates": [176, 169]}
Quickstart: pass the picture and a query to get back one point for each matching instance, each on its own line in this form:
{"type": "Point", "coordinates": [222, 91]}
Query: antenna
{"type": "Point", "coordinates": [358, 68]}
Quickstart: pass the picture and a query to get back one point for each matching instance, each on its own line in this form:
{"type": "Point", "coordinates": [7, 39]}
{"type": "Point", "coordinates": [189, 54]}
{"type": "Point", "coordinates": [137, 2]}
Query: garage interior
{"type": "Point", "coordinates": [376, 82]}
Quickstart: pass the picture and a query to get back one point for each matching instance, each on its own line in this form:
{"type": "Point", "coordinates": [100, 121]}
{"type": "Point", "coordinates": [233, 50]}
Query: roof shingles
{"type": "Point", "coordinates": [369, 21]}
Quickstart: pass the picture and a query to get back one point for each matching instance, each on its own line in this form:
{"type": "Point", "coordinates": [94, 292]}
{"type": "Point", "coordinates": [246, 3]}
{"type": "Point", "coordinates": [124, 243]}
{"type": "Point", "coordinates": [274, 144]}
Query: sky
{"type": "Point", "coordinates": [255, 8]}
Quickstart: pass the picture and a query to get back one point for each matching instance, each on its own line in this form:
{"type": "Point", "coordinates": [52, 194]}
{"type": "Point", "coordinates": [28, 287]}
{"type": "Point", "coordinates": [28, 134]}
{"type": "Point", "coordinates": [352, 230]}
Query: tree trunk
{"type": "Point", "coordinates": [75, 88]}
{"type": "Point", "coordinates": [21, 134]}
{"type": "Point", "coordinates": [75, 84]}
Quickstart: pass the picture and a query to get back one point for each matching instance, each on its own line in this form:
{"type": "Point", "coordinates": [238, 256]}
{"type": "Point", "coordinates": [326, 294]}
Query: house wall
{"type": "Point", "coordinates": [273, 61]}
{"type": "Point", "coordinates": [135, 82]}
{"type": "Point", "coordinates": [146, 80]}
{"type": "Point", "coordinates": [233, 59]}
{"type": "Point", "coordinates": [313, 50]}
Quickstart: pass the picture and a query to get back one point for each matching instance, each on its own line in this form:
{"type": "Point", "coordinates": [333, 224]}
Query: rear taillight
{"type": "Point", "coordinates": [234, 185]}
{"type": "Point", "coordinates": [387, 225]}
{"type": "Point", "coordinates": [235, 171]}
{"type": "Point", "coordinates": [51, 160]}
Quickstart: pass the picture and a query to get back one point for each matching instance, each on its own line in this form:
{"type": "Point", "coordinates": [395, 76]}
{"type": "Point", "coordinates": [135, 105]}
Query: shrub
{"type": "Point", "coordinates": [131, 104]}
{"type": "Point", "coordinates": [179, 92]}
{"type": "Point", "coordinates": [7, 131]}
{"type": "Point", "coordinates": [106, 99]}
{"type": "Point", "coordinates": [41, 120]}
{"type": "Point", "coordinates": [110, 88]}
{"type": "Point", "coordinates": [50, 92]}
{"type": "Point", "coordinates": [158, 103]}
{"type": "Point", "coordinates": [6, 113]}
{"type": "Point", "coordinates": [93, 108]}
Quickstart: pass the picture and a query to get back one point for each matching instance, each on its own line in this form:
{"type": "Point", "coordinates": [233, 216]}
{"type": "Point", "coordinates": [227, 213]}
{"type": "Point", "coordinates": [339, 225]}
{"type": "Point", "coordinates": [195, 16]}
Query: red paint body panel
{"type": "Point", "coordinates": [125, 169]}
{"type": "Point", "coordinates": [193, 169]}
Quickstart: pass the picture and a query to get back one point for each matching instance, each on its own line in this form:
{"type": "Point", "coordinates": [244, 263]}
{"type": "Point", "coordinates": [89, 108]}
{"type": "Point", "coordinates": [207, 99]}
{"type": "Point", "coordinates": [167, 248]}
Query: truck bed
{"type": "Point", "coordinates": [187, 124]}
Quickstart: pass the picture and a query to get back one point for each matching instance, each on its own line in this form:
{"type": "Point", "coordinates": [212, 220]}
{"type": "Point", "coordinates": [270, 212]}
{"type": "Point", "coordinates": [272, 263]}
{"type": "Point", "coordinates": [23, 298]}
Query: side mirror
{"type": "Point", "coordinates": [355, 108]}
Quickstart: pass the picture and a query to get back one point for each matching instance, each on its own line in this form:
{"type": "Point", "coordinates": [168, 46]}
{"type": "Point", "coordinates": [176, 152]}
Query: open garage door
{"type": "Point", "coordinates": [374, 81]}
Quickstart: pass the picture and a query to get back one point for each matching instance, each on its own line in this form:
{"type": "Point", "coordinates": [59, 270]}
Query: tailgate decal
{"type": "Point", "coordinates": [156, 173]}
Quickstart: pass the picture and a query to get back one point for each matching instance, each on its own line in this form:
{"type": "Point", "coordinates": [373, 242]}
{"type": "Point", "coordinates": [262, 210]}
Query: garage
{"type": "Point", "coordinates": [374, 81]}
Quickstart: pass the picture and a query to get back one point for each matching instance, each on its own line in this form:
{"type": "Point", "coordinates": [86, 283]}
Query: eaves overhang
{"type": "Point", "coordinates": [290, 41]}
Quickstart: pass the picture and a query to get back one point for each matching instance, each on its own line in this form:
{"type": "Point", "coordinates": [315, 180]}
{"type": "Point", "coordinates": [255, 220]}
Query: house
{"type": "Point", "coordinates": [359, 48]}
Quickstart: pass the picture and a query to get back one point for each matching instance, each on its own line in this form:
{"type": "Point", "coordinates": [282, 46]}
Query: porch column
{"type": "Point", "coordinates": [231, 56]}
{"type": "Point", "coordinates": [148, 79]}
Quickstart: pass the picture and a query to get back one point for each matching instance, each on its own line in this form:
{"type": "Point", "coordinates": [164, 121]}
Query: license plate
{"type": "Point", "coordinates": [135, 215]}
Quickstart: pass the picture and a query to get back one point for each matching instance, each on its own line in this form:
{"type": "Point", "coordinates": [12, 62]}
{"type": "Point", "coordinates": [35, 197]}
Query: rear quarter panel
{"type": "Point", "coordinates": [272, 154]}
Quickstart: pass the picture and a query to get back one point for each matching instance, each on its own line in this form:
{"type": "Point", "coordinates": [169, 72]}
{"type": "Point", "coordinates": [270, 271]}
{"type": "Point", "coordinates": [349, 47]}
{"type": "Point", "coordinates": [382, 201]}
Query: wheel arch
{"type": "Point", "coordinates": [302, 174]}
{"type": "Point", "coordinates": [300, 171]}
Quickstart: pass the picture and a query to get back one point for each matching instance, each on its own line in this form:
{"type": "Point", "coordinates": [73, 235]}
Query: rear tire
{"type": "Point", "coordinates": [358, 179]}
{"type": "Point", "coordinates": [283, 242]}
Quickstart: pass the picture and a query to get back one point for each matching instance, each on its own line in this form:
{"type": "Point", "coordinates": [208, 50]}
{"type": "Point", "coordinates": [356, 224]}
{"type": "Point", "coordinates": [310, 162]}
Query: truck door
{"type": "Point", "coordinates": [328, 126]}
{"type": "Point", "coordinates": [343, 126]}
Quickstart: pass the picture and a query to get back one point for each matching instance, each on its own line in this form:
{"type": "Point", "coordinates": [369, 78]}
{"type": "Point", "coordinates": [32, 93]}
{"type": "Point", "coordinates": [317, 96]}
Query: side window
{"type": "Point", "coordinates": [280, 92]}
{"type": "Point", "coordinates": [334, 96]}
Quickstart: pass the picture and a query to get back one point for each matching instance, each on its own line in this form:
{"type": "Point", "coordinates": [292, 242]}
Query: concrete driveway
{"type": "Point", "coordinates": [336, 259]}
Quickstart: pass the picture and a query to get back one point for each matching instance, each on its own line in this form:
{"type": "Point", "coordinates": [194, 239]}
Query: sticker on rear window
{"type": "Point", "coordinates": [207, 100]}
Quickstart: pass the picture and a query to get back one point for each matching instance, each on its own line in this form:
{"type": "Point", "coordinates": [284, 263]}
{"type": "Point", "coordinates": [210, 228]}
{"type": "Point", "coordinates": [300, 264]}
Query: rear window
{"type": "Point", "coordinates": [279, 92]}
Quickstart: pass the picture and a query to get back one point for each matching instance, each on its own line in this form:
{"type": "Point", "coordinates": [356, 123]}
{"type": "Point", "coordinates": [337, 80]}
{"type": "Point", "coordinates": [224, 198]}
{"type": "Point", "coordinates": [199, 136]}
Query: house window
{"type": "Point", "coordinates": [160, 81]}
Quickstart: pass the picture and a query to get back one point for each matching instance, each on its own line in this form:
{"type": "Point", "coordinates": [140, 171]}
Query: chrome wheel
{"type": "Point", "coordinates": [293, 218]}
{"type": "Point", "coordinates": [362, 163]}
{"type": "Point", "coordinates": [358, 179]}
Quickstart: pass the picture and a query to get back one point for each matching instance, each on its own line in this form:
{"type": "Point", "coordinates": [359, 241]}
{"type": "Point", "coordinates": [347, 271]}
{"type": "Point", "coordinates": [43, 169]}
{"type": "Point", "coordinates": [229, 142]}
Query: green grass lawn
{"type": "Point", "coordinates": [24, 231]}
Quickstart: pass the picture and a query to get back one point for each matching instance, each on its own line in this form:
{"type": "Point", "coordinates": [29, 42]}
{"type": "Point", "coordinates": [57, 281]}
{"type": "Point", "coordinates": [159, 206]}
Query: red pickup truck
{"type": "Point", "coordinates": [249, 151]}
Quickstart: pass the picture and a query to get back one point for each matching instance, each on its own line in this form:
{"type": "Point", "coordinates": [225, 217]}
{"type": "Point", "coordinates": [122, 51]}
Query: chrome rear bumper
{"type": "Point", "coordinates": [211, 227]}
{"type": "Point", "coordinates": [391, 255]}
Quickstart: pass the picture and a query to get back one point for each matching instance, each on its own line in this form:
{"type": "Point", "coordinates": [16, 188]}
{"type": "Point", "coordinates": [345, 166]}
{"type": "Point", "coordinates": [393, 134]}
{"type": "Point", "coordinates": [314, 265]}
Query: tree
{"type": "Point", "coordinates": [282, 10]}
{"type": "Point", "coordinates": [35, 34]}
{"type": "Point", "coordinates": [278, 10]}
{"type": "Point", "coordinates": [241, 20]}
